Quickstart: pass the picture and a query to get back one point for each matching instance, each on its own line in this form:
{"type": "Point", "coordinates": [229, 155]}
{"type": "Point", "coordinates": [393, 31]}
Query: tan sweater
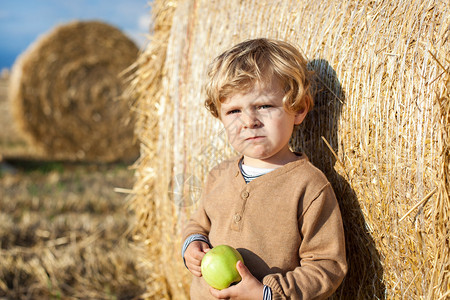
{"type": "Point", "coordinates": [286, 224]}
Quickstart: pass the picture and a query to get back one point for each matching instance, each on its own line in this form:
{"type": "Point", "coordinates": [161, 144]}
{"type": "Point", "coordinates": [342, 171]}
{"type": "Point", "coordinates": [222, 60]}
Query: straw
{"type": "Point", "coordinates": [382, 106]}
{"type": "Point", "coordinates": [67, 93]}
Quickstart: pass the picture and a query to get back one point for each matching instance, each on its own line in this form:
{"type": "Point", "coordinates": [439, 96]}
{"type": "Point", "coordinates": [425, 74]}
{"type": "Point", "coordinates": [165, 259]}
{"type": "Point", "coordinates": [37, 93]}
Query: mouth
{"type": "Point", "coordinates": [254, 138]}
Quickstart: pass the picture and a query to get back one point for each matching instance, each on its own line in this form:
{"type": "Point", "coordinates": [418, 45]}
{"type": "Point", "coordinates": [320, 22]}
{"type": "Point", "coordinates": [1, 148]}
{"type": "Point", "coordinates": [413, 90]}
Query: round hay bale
{"type": "Point", "coordinates": [67, 93]}
{"type": "Point", "coordinates": [379, 130]}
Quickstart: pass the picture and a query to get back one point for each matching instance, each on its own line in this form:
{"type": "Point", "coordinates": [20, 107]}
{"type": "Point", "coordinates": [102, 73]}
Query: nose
{"type": "Point", "coordinates": [250, 119]}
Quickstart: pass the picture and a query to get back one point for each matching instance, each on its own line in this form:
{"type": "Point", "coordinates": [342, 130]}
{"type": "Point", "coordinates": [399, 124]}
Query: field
{"type": "Point", "coordinates": [64, 226]}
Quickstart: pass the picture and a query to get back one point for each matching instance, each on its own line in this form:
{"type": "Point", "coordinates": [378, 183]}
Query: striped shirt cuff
{"type": "Point", "coordinates": [190, 239]}
{"type": "Point", "coordinates": [267, 293]}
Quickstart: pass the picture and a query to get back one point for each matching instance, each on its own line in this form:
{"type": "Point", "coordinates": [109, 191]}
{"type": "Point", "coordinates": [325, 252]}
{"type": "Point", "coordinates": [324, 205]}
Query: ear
{"type": "Point", "coordinates": [300, 116]}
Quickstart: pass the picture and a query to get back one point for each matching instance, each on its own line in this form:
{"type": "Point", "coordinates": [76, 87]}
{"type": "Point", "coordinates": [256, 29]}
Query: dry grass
{"type": "Point", "coordinates": [380, 130]}
{"type": "Point", "coordinates": [67, 93]}
{"type": "Point", "coordinates": [64, 231]}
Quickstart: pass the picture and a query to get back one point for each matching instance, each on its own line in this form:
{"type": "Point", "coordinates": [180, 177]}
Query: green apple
{"type": "Point", "coordinates": [219, 266]}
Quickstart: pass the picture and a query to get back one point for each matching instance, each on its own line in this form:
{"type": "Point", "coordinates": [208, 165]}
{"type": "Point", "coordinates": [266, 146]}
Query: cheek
{"type": "Point", "coordinates": [230, 128]}
{"type": "Point", "coordinates": [232, 134]}
{"type": "Point", "coordinates": [285, 127]}
{"type": "Point", "coordinates": [231, 123]}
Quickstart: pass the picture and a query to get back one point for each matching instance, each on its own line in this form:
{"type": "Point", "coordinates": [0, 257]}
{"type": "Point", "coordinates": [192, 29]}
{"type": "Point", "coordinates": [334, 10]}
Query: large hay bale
{"type": "Point", "coordinates": [67, 93]}
{"type": "Point", "coordinates": [380, 131]}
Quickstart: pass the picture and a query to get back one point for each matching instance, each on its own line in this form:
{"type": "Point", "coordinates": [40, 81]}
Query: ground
{"type": "Point", "coordinates": [65, 228]}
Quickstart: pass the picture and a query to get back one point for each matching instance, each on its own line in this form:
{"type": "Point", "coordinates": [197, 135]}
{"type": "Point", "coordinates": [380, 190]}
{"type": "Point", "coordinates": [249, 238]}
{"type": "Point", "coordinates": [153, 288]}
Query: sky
{"type": "Point", "coordinates": [23, 21]}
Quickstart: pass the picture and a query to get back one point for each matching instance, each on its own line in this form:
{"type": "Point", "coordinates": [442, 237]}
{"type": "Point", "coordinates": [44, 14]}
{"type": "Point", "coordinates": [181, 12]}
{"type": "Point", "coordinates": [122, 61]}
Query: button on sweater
{"type": "Point", "coordinates": [286, 224]}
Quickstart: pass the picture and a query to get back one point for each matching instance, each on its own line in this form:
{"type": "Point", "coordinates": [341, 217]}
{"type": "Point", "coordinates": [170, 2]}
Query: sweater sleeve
{"type": "Point", "coordinates": [199, 222]}
{"type": "Point", "coordinates": [322, 253]}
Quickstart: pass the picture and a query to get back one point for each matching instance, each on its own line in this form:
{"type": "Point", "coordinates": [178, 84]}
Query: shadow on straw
{"type": "Point", "coordinates": [316, 136]}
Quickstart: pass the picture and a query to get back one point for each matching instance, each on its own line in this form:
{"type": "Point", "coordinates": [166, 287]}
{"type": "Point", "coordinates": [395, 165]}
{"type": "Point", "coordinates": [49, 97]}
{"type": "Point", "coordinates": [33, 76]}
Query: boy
{"type": "Point", "coordinates": [269, 203]}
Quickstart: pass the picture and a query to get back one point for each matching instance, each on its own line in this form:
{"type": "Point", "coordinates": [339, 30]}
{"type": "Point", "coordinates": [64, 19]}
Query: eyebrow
{"type": "Point", "coordinates": [225, 109]}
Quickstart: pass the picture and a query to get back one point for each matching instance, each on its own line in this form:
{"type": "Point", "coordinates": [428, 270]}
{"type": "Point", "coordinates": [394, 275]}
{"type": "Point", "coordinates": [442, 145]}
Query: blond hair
{"type": "Point", "coordinates": [259, 61]}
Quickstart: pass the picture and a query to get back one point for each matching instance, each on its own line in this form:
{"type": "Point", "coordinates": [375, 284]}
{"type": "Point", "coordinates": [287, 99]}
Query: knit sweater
{"type": "Point", "coordinates": [286, 224]}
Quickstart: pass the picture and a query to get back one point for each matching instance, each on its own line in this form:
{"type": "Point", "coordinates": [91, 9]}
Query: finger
{"type": "Point", "coordinates": [195, 270]}
{"type": "Point", "coordinates": [242, 269]}
{"type": "Point", "coordinates": [205, 248]}
{"type": "Point", "coordinates": [223, 294]}
{"type": "Point", "coordinates": [198, 255]}
{"type": "Point", "coordinates": [193, 262]}
{"type": "Point", "coordinates": [194, 267]}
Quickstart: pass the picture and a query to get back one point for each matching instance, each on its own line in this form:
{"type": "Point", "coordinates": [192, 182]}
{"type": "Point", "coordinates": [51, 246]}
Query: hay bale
{"type": "Point", "coordinates": [380, 131]}
{"type": "Point", "coordinates": [67, 93]}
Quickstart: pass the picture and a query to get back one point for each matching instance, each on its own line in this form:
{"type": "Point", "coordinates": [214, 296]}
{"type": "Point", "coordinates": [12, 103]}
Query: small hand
{"type": "Point", "coordinates": [248, 288]}
{"type": "Point", "coordinates": [193, 256]}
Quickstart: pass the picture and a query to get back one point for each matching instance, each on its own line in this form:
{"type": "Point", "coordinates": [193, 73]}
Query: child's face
{"type": "Point", "coordinates": [258, 126]}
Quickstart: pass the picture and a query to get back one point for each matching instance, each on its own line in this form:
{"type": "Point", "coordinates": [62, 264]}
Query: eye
{"type": "Point", "coordinates": [265, 106]}
{"type": "Point", "coordinates": [233, 111]}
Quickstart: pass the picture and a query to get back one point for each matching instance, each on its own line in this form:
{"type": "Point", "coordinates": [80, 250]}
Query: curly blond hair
{"type": "Point", "coordinates": [259, 61]}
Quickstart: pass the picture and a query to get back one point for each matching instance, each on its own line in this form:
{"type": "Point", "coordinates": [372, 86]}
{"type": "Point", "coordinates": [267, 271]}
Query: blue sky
{"type": "Point", "coordinates": [23, 21]}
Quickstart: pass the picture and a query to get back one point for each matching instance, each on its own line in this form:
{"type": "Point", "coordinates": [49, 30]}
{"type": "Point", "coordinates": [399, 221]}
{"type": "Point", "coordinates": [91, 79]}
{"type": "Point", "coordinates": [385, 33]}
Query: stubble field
{"type": "Point", "coordinates": [64, 226]}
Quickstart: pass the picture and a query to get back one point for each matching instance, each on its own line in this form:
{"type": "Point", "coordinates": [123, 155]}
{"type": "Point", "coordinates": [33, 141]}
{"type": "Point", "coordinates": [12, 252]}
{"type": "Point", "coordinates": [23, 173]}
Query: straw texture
{"type": "Point", "coordinates": [65, 89]}
{"type": "Point", "coordinates": [379, 131]}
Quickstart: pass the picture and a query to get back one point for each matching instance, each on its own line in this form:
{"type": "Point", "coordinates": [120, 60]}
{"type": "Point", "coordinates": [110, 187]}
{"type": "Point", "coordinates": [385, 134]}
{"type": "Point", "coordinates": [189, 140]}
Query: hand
{"type": "Point", "coordinates": [193, 256]}
{"type": "Point", "coordinates": [248, 288]}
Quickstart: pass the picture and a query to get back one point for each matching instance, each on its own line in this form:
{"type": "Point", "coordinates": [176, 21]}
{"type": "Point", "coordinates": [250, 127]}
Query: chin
{"type": "Point", "coordinates": [261, 157]}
